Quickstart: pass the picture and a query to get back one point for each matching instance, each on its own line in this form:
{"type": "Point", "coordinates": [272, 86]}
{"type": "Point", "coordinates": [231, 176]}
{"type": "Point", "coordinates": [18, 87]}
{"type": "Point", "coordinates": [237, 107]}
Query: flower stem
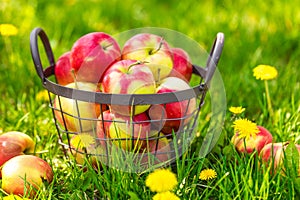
{"type": "Point", "coordinates": [268, 98]}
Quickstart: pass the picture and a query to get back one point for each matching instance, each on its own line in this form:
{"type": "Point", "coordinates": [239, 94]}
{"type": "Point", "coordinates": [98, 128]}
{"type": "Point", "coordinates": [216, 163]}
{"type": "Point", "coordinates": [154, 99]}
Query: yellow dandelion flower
{"type": "Point", "coordinates": [8, 30]}
{"type": "Point", "coordinates": [42, 96]}
{"type": "Point", "coordinates": [265, 72]}
{"type": "Point", "coordinates": [165, 196]}
{"type": "Point", "coordinates": [245, 128]}
{"type": "Point", "coordinates": [14, 197]}
{"type": "Point", "coordinates": [207, 174]}
{"type": "Point", "coordinates": [161, 180]}
{"type": "Point", "coordinates": [236, 110]}
{"type": "Point", "coordinates": [82, 141]}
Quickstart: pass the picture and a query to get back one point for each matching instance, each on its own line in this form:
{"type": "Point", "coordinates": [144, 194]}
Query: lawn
{"type": "Point", "coordinates": [256, 32]}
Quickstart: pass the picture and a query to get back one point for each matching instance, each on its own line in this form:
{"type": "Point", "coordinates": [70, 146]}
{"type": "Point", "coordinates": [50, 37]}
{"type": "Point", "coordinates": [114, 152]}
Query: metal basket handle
{"type": "Point", "coordinates": [35, 52]}
{"type": "Point", "coordinates": [214, 57]}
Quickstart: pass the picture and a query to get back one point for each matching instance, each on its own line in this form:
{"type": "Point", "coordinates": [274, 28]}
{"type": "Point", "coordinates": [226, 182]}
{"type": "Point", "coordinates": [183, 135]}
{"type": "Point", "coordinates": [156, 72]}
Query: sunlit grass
{"type": "Point", "coordinates": [255, 32]}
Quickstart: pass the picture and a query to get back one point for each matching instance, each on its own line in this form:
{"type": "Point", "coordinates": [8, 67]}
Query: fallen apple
{"type": "Point", "coordinates": [92, 54]}
{"type": "Point", "coordinates": [14, 143]}
{"type": "Point", "coordinates": [77, 116]}
{"type": "Point", "coordinates": [273, 155]}
{"type": "Point", "coordinates": [128, 77]}
{"type": "Point", "coordinates": [24, 174]}
{"type": "Point", "coordinates": [175, 115]}
{"type": "Point", "coordinates": [63, 71]}
{"type": "Point", "coordinates": [182, 65]}
{"type": "Point", "coordinates": [262, 138]}
{"type": "Point", "coordinates": [151, 49]}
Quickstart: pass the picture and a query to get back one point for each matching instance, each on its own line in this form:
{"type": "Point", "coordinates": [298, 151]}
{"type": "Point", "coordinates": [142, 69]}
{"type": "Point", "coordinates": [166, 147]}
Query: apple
{"type": "Point", "coordinates": [92, 54]}
{"type": "Point", "coordinates": [172, 115]}
{"type": "Point", "coordinates": [157, 150]}
{"type": "Point", "coordinates": [67, 111]}
{"type": "Point", "coordinates": [24, 174]}
{"type": "Point", "coordinates": [14, 143]}
{"type": "Point", "coordinates": [63, 71]}
{"type": "Point", "coordinates": [182, 65]}
{"type": "Point", "coordinates": [128, 77]}
{"type": "Point", "coordinates": [151, 49]}
{"type": "Point", "coordinates": [274, 153]}
{"type": "Point", "coordinates": [262, 138]}
{"type": "Point", "coordinates": [124, 131]}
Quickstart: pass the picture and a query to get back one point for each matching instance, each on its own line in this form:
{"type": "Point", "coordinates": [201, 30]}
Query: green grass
{"type": "Point", "coordinates": [257, 32]}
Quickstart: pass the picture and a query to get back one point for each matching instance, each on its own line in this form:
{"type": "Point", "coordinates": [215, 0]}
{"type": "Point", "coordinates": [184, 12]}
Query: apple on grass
{"type": "Point", "coordinates": [128, 77]}
{"type": "Point", "coordinates": [63, 71]}
{"type": "Point", "coordinates": [126, 132]}
{"type": "Point", "coordinates": [151, 49]}
{"type": "Point", "coordinates": [25, 174]}
{"type": "Point", "coordinates": [77, 116]}
{"type": "Point", "coordinates": [92, 54]}
{"type": "Point", "coordinates": [273, 155]}
{"type": "Point", "coordinates": [14, 143]}
{"type": "Point", "coordinates": [263, 137]}
{"type": "Point", "coordinates": [182, 65]}
{"type": "Point", "coordinates": [172, 116]}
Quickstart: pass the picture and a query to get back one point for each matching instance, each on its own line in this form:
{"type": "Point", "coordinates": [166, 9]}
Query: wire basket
{"type": "Point", "coordinates": [133, 148]}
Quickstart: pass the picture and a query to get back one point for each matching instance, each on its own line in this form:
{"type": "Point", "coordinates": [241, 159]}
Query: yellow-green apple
{"type": "Point", "coordinates": [63, 71]}
{"type": "Point", "coordinates": [128, 77]}
{"type": "Point", "coordinates": [126, 132]}
{"type": "Point", "coordinates": [174, 115]}
{"type": "Point", "coordinates": [157, 150]}
{"type": "Point", "coordinates": [14, 143]}
{"type": "Point", "coordinates": [273, 154]}
{"type": "Point", "coordinates": [92, 54]}
{"type": "Point", "coordinates": [182, 65]}
{"type": "Point", "coordinates": [77, 116]}
{"type": "Point", "coordinates": [24, 174]}
{"type": "Point", "coordinates": [151, 49]}
{"type": "Point", "coordinates": [252, 144]}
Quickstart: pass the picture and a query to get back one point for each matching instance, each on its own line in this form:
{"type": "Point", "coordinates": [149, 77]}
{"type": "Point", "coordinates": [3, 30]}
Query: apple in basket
{"type": "Point", "coordinates": [174, 115]}
{"type": "Point", "coordinates": [92, 54]}
{"type": "Point", "coordinates": [182, 65]}
{"type": "Point", "coordinates": [24, 174]}
{"type": "Point", "coordinates": [127, 132]}
{"type": "Point", "coordinates": [151, 49]}
{"type": "Point", "coordinates": [128, 77]}
{"type": "Point", "coordinates": [75, 115]}
{"type": "Point", "coordinates": [157, 150]}
{"type": "Point", "coordinates": [63, 71]}
{"type": "Point", "coordinates": [13, 144]}
{"type": "Point", "coordinates": [274, 155]}
{"type": "Point", "coordinates": [262, 138]}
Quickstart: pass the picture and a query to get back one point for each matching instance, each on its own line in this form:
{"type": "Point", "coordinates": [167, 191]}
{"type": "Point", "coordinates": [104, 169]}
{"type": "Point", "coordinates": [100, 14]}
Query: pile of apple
{"type": "Point", "coordinates": [146, 64]}
{"type": "Point", "coordinates": [270, 153]}
{"type": "Point", "coordinates": [21, 174]}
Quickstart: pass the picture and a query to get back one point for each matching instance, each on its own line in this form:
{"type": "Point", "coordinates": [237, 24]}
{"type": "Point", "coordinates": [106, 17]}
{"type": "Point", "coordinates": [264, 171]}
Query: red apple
{"type": "Point", "coordinates": [24, 174]}
{"type": "Point", "coordinates": [182, 66]}
{"type": "Point", "coordinates": [128, 77]}
{"type": "Point", "coordinates": [173, 115]}
{"type": "Point", "coordinates": [64, 73]}
{"type": "Point", "coordinates": [14, 143]}
{"type": "Point", "coordinates": [158, 150]}
{"type": "Point", "coordinates": [151, 49]}
{"type": "Point", "coordinates": [273, 154]}
{"type": "Point", "coordinates": [92, 54]}
{"type": "Point", "coordinates": [77, 116]}
{"type": "Point", "coordinates": [124, 130]}
{"type": "Point", "coordinates": [262, 138]}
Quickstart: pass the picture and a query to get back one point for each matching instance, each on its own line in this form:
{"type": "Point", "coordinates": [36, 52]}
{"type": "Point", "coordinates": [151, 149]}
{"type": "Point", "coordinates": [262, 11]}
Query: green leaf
{"type": "Point", "coordinates": [292, 160]}
{"type": "Point", "coordinates": [133, 196]}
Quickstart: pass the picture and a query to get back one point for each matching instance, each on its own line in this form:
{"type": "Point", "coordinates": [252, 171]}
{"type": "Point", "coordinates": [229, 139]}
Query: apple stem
{"type": "Point", "coordinates": [75, 79]}
{"type": "Point", "coordinates": [139, 62]}
{"type": "Point", "coordinates": [105, 47]}
{"type": "Point", "coordinates": [159, 46]}
{"type": "Point", "coordinates": [158, 75]}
